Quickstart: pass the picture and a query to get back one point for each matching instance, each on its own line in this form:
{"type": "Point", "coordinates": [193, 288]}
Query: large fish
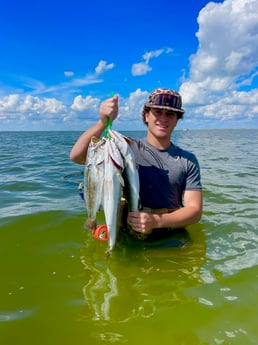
{"type": "Point", "coordinates": [130, 173]}
{"type": "Point", "coordinates": [93, 180]}
{"type": "Point", "coordinates": [110, 170]}
{"type": "Point", "coordinates": [112, 190]}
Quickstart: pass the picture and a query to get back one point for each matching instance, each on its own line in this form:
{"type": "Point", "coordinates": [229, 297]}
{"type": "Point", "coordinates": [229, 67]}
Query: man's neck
{"type": "Point", "coordinates": [159, 143]}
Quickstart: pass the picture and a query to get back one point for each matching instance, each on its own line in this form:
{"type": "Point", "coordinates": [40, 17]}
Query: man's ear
{"type": "Point", "coordinates": [146, 116]}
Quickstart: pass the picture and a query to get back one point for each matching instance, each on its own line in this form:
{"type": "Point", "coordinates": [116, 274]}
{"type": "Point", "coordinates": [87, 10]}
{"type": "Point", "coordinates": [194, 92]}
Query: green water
{"type": "Point", "coordinates": [58, 287]}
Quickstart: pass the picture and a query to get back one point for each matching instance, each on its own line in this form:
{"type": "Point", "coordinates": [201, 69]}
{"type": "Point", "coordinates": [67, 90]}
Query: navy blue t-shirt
{"type": "Point", "coordinates": [165, 174]}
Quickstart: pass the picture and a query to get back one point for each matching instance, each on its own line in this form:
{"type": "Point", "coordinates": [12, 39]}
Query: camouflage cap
{"type": "Point", "coordinates": [165, 99]}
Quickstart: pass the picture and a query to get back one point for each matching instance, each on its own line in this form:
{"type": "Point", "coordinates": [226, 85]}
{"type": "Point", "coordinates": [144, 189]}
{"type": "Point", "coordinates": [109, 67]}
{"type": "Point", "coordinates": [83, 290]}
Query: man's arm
{"type": "Point", "coordinates": [79, 150]}
{"type": "Point", "coordinates": [189, 214]}
{"type": "Point", "coordinates": [108, 108]}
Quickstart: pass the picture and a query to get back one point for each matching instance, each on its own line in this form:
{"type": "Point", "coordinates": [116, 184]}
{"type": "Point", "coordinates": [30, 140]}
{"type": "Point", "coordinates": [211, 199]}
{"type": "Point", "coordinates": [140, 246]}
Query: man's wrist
{"type": "Point", "coordinates": [101, 123]}
{"type": "Point", "coordinates": [157, 220]}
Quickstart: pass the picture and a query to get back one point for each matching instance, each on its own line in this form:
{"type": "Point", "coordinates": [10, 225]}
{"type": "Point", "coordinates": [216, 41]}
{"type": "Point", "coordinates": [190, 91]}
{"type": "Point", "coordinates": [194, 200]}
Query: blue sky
{"type": "Point", "coordinates": [61, 58]}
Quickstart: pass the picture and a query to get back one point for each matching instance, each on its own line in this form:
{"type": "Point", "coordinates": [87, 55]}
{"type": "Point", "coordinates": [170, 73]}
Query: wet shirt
{"type": "Point", "coordinates": [165, 174]}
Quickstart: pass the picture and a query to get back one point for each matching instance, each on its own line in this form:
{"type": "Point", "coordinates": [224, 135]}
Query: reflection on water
{"type": "Point", "coordinates": [10, 315]}
{"type": "Point", "coordinates": [141, 280]}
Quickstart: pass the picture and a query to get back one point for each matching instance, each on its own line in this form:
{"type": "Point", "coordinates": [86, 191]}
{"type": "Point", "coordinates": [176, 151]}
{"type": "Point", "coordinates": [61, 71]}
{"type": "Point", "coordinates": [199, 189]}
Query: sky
{"type": "Point", "coordinates": [60, 59]}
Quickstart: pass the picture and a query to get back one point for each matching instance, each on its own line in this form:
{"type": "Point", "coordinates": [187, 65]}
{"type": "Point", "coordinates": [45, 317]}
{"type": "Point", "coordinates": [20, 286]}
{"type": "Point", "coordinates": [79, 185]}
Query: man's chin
{"type": "Point", "coordinates": [162, 132]}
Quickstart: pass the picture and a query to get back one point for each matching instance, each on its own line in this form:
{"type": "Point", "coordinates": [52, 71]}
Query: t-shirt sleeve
{"type": "Point", "coordinates": [193, 178]}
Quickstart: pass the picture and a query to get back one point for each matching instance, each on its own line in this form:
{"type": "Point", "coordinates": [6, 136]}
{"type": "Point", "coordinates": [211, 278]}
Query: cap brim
{"type": "Point", "coordinates": [164, 107]}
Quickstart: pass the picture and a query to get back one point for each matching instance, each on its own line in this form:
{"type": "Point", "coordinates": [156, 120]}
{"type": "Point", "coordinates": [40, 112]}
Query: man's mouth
{"type": "Point", "coordinates": [162, 126]}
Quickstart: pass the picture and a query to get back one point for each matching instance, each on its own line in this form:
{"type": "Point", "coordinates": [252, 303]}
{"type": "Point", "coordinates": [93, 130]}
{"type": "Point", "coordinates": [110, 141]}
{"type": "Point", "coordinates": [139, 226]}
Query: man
{"type": "Point", "coordinates": [170, 183]}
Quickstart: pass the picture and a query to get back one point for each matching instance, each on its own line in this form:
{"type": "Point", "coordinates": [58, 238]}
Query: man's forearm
{"type": "Point", "coordinates": [79, 150]}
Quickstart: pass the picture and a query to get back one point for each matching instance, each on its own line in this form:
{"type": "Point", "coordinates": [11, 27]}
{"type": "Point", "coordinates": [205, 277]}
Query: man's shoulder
{"type": "Point", "coordinates": [184, 154]}
{"type": "Point", "coordinates": [138, 144]}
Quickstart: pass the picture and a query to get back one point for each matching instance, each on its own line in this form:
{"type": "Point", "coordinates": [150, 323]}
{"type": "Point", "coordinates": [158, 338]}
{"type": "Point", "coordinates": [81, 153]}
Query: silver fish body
{"type": "Point", "coordinates": [110, 170]}
{"type": "Point", "coordinates": [93, 180]}
{"type": "Point", "coordinates": [130, 173]}
{"type": "Point", "coordinates": [112, 190]}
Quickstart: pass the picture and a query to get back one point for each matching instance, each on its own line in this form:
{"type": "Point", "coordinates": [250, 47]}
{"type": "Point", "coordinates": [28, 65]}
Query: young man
{"type": "Point", "coordinates": [170, 182]}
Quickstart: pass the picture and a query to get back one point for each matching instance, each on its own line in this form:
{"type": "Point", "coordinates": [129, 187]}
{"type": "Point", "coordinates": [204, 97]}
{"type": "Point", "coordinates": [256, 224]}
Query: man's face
{"type": "Point", "coordinates": [161, 122]}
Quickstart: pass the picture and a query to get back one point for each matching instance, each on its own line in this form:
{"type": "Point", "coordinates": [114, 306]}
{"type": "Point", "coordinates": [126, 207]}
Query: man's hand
{"type": "Point", "coordinates": [142, 222]}
{"type": "Point", "coordinates": [109, 108]}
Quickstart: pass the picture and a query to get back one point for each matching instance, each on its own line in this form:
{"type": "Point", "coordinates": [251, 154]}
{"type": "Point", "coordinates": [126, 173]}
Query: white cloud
{"type": "Point", "coordinates": [44, 113]}
{"type": "Point", "coordinates": [68, 73]}
{"type": "Point", "coordinates": [142, 68]}
{"type": "Point", "coordinates": [226, 60]}
{"type": "Point", "coordinates": [8, 103]}
{"type": "Point", "coordinates": [234, 105]}
{"type": "Point", "coordinates": [38, 88]}
{"type": "Point", "coordinates": [81, 104]}
{"type": "Point", "coordinates": [152, 54]}
{"type": "Point", "coordinates": [103, 66]}
{"type": "Point", "coordinates": [18, 107]}
{"type": "Point", "coordinates": [88, 79]}
{"type": "Point", "coordinates": [131, 107]}
{"type": "Point", "coordinates": [221, 75]}
{"type": "Point", "coordinates": [32, 104]}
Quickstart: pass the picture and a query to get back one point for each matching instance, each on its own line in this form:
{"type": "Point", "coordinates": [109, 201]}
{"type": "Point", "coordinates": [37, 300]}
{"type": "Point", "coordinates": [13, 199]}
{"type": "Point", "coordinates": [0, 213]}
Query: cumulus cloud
{"type": "Point", "coordinates": [143, 67]}
{"type": "Point", "coordinates": [140, 68]}
{"type": "Point", "coordinates": [21, 108]}
{"type": "Point", "coordinates": [18, 107]}
{"type": "Point", "coordinates": [131, 107]}
{"type": "Point", "coordinates": [233, 105]}
{"type": "Point", "coordinates": [35, 112]}
{"type": "Point", "coordinates": [220, 82]}
{"type": "Point", "coordinates": [81, 104]}
{"type": "Point", "coordinates": [103, 66]}
{"type": "Point", "coordinates": [225, 61]}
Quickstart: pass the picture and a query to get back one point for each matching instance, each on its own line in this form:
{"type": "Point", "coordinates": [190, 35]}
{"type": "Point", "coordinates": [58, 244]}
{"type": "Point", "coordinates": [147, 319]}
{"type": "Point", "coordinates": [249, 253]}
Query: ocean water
{"type": "Point", "coordinates": [58, 287]}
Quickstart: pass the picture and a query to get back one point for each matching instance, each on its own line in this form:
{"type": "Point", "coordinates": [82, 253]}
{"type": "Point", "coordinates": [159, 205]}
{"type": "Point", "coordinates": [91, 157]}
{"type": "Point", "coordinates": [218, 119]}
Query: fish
{"type": "Point", "coordinates": [130, 173]}
{"type": "Point", "coordinates": [112, 190]}
{"type": "Point", "coordinates": [93, 180]}
{"type": "Point", "coordinates": [110, 172]}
